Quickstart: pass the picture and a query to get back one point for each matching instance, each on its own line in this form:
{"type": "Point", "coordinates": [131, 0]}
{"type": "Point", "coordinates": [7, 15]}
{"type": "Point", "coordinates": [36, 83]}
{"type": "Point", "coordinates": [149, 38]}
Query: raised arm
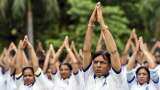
{"type": "Point", "coordinates": [12, 51]}
{"type": "Point", "coordinates": [19, 58]}
{"type": "Point", "coordinates": [132, 61]}
{"type": "Point", "coordinates": [59, 51]}
{"type": "Point", "coordinates": [76, 53]}
{"type": "Point", "coordinates": [72, 56]}
{"type": "Point", "coordinates": [156, 45]}
{"type": "Point", "coordinates": [128, 44]}
{"type": "Point", "coordinates": [99, 43]}
{"type": "Point", "coordinates": [109, 41]}
{"type": "Point", "coordinates": [87, 41]}
{"type": "Point", "coordinates": [32, 54]}
{"type": "Point", "coordinates": [5, 60]}
{"type": "Point", "coordinates": [46, 62]}
{"type": "Point", "coordinates": [150, 58]}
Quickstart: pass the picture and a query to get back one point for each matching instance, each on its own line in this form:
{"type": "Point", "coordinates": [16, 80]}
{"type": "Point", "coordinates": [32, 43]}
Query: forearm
{"type": "Point", "coordinates": [99, 43]}
{"type": "Point", "coordinates": [19, 64]}
{"type": "Point", "coordinates": [87, 47]}
{"type": "Point", "coordinates": [46, 62]}
{"type": "Point", "coordinates": [76, 53]}
{"type": "Point", "coordinates": [72, 56]}
{"type": "Point", "coordinates": [127, 47]}
{"type": "Point", "coordinates": [58, 53]}
{"type": "Point", "coordinates": [112, 48]}
{"type": "Point", "coordinates": [150, 59]}
{"type": "Point", "coordinates": [34, 59]}
{"type": "Point", "coordinates": [153, 49]}
{"type": "Point", "coordinates": [131, 62]}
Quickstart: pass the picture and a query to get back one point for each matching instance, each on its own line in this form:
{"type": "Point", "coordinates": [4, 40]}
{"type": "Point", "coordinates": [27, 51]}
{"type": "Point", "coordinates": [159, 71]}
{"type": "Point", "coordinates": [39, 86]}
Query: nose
{"type": "Point", "coordinates": [27, 77]}
{"type": "Point", "coordinates": [98, 64]}
{"type": "Point", "coordinates": [141, 75]}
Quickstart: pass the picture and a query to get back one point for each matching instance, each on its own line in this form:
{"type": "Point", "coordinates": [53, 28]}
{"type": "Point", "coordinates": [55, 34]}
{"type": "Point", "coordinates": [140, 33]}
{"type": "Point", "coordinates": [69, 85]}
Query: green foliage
{"type": "Point", "coordinates": [114, 17]}
{"type": "Point", "coordinates": [54, 19]}
{"type": "Point", "coordinates": [18, 8]}
{"type": "Point", "coordinates": [2, 7]}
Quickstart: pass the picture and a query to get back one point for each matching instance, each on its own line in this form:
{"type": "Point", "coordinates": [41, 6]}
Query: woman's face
{"type": "Point", "coordinates": [65, 71]}
{"type": "Point", "coordinates": [157, 55]}
{"type": "Point", "coordinates": [28, 77]}
{"type": "Point", "coordinates": [49, 73]}
{"type": "Point", "coordinates": [142, 76]}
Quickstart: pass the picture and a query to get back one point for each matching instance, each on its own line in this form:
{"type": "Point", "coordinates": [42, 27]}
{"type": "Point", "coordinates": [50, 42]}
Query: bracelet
{"type": "Point", "coordinates": [113, 52]}
{"type": "Point", "coordinates": [38, 72]}
{"type": "Point", "coordinates": [90, 25]}
{"type": "Point", "coordinates": [104, 26]}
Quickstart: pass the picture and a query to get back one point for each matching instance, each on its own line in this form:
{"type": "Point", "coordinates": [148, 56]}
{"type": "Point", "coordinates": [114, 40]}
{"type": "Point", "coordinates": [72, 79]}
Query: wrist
{"type": "Point", "coordinates": [68, 49]}
{"type": "Point", "coordinates": [113, 52]}
{"type": "Point", "coordinates": [30, 48]}
{"type": "Point", "coordinates": [91, 25]}
{"type": "Point", "coordinates": [21, 49]}
{"type": "Point", "coordinates": [104, 26]}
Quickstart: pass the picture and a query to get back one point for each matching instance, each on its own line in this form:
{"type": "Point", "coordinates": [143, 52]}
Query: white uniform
{"type": "Point", "coordinates": [74, 82]}
{"type": "Point", "coordinates": [136, 86]}
{"type": "Point", "coordinates": [111, 82]}
{"type": "Point", "coordinates": [6, 81]}
{"type": "Point", "coordinates": [152, 85]}
{"type": "Point", "coordinates": [158, 71]}
{"type": "Point", "coordinates": [41, 83]}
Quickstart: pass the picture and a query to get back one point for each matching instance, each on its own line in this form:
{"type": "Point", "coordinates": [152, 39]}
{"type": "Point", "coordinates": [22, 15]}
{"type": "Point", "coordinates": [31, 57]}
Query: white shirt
{"type": "Point", "coordinates": [41, 83]}
{"type": "Point", "coordinates": [6, 81]}
{"type": "Point", "coordinates": [134, 85]}
{"type": "Point", "coordinates": [158, 71]}
{"type": "Point", "coordinates": [111, 82]}
{"type": "Point", "coordinates": [74, 82]}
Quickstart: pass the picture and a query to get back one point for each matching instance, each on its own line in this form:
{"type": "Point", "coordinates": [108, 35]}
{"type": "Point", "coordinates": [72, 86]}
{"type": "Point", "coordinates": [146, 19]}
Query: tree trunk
{"type": "Point", "coordinates": [30, 23]}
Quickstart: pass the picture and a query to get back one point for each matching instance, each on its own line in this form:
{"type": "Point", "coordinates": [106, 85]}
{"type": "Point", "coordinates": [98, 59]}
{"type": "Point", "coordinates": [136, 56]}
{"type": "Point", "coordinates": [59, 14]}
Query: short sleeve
{"type": "Point", "coordinates": [43, 80]}
{"type": "Point", "coordinates": [154, 76]}
{"type": "Point", "coordinates": [130, 76]}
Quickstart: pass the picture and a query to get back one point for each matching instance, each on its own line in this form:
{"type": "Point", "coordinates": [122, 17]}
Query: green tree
{"type": "Point", "coordinates": [114, 17]}
{"type": "Point", "coordinates": [24, 12]}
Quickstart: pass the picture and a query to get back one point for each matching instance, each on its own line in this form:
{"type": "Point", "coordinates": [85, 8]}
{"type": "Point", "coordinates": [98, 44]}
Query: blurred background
{"type": "Point", "coordinates": [49, 21]}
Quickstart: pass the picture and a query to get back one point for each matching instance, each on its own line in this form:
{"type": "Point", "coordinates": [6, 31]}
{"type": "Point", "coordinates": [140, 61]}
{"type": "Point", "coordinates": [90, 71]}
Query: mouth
{"type": "Point", "coordinates": [142, 80]}
{"type": "Point", "coordinates": [98, 71]}
{"type": "Point", "coordinates": [28, 83]}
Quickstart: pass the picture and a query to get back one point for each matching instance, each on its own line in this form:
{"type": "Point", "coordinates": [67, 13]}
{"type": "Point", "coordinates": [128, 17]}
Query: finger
{"type": "Point", "coordinates": [20, 44]}
{"type": "Point", "coordinates": [98, 4]}
{"type": "Point", "coordinates": [26, 38]}
{"type": "Point", "coordinates": [51, 46]}
{"type": "Point", "coordinates": [66, 41]}
{"type": "Point", "coordinates": [66, 38]}
{"type": "Point", "coordinates": [133, 30]}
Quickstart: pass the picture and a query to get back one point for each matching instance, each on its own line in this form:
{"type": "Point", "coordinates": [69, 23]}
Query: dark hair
{"type": "Point", "coordinates": [146, 69]}
{"type": "Point", "coordinates": [104, 54]}
{"type": "Point", "coordinates": [67, 64]}
{"type": "Point", "coordinates": [157, 50]}
{"type": "Point", "coordinates": [25, 68]}
{"type": "Point", "coordinates": [12, 53]}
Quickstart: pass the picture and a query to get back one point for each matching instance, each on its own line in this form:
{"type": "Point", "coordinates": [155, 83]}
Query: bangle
{"type": "Point", "coordinates": [113, 52]}
{"type": "Point", "coordinates": [68, 49]}
{"type": "Point", "coordinates": [90, 25]}
{"type": "Point", "coordinates": [38, 72]}
{"type": "Point", "coordinates": [104, 26]}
